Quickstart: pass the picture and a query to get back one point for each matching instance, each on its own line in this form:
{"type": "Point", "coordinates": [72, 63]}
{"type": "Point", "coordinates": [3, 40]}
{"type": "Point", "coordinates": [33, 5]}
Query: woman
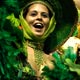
{"type": "Point", "coordinates": [41, 26]}
{"type": "Point", "coordinates": [35, 22]}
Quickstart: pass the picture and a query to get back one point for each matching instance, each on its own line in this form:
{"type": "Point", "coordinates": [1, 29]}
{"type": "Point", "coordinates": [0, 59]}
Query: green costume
{"type": "Point", "coordinates": [14, 31]}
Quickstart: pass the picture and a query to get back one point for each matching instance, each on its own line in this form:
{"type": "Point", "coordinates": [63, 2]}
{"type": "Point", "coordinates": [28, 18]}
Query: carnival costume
{"type": "Point", "coordinates": [16, 35]}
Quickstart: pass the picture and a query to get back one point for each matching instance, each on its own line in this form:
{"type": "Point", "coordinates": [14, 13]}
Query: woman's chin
{"type": "Point", "coordinates": [38, 34]}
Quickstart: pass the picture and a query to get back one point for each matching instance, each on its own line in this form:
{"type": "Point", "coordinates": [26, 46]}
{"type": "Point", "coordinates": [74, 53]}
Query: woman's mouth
{"type": "Point", "coordinates": [38, 28]}
{"type": "Point", "coordinates": [38, 25]}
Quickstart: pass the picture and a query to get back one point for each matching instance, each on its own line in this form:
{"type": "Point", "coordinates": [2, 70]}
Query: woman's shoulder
{"type": "Point", "coordinates": [71, 42]}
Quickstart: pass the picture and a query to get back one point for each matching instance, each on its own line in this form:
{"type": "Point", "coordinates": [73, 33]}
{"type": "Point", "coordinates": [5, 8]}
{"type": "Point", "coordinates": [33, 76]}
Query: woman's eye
{"type": "Point", "coordinates": [33, 14]}
{"type": "Point", "coordinates": [45, 15]}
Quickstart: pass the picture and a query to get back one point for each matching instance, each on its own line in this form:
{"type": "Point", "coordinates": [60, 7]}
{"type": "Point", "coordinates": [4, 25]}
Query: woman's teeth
{"type": "Point", "coordinates": [38, 25]}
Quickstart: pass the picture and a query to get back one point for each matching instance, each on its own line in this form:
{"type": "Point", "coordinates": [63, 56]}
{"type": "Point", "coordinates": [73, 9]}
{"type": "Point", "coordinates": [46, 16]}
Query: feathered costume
{"type": "Point", "coordinates": [14, 31]}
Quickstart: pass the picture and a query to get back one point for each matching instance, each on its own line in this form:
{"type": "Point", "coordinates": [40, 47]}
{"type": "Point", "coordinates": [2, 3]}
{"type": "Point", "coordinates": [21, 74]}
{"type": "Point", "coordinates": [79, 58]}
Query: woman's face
{"type": "Point", "coordinates": [38, 18]}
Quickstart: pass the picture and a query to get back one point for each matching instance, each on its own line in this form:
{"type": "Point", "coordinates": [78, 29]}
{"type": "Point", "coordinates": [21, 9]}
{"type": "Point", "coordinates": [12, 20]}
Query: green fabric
{"type": "Point", "coordinates": [65, 67]}
{"type": "Point", "coordinates": [28, 34]}
{"type": "Point", "coordinates": [72, 66]}
{"type": "Point", "coordinates": [78, 15]}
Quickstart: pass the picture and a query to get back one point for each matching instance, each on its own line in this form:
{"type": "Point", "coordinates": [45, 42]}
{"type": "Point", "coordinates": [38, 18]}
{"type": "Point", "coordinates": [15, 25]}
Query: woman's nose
{"type": "Point", "coordinates": [39, 17]}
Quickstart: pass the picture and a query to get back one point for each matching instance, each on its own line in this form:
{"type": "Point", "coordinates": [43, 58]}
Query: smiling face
{"type": "Point", "coordinates": [38, 18]}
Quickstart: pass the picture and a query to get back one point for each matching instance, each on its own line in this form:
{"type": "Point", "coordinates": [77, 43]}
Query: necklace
{"type": "Point", "coordinates": [38, 52]}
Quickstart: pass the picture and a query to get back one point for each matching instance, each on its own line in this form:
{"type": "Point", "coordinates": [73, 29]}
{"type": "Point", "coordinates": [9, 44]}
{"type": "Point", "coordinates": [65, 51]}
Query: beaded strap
{"type": "Point", "coordinates": [38, 57]}
{"type": "Point", "coordinates": [38, 52]}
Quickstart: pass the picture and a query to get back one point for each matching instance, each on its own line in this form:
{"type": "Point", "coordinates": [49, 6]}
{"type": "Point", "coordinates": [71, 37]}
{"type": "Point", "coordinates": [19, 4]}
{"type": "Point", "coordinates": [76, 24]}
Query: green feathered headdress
{"type": "Point", "coordinates": [65, 17]}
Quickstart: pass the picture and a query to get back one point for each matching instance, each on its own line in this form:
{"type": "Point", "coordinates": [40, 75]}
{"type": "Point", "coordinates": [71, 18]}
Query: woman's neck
{"type": "Point", "coordinates": [35, 45]}
{"type": "Point", "coordinates": [35, 55]}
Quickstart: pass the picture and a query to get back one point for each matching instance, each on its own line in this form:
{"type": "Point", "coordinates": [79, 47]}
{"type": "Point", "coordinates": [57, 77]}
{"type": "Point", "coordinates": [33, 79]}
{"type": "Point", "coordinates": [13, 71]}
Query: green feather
{"type": "Point", "coordinates": [72, 66]}
{"type": "Point", "coordinates": [14, 21]}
